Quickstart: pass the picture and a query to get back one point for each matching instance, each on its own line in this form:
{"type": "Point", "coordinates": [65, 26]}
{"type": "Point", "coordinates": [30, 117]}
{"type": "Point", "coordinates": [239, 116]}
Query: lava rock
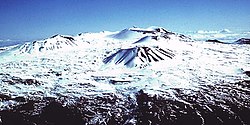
{"type": "Point", "coordinates": [228, 107]}
{"type": "Point", "coordinates": [57, 73]}
{"type": "Point", "coordinates": [4, 97]}
{"type": "Point", "coordinates": [214, 41]}
{"type": "Point", "coordinates": [69, 38]}
{"type": "Point", "coordinates": [9, 117]}
{"type": "Point", "coordinates": [30, 82]}
{"type": "Point", "coordinates": [242, 41]}
{"type": "Point", "coordinates": [247, 73]}
{"type": "Point", "coordinates": [12, 80]}
{"type": "Point", "coordinates": [189, 110]}
{"type": "Point", "coordinates": [20, 99]}
{"type": "Point", "coordinates": [157, 110]}
{"type": "Point", "coordinates": [56, 114]}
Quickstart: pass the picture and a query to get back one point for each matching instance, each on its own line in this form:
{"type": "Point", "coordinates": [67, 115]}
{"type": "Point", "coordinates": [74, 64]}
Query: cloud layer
{"type": "Point", "coordinates": [225, 35]}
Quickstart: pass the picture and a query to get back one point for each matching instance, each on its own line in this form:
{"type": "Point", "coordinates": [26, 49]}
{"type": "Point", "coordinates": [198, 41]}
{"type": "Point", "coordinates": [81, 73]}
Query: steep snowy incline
{"type": "Point", "coordinates": [144, 46]}
{"type": "Point", "coordinates": [53, 43]}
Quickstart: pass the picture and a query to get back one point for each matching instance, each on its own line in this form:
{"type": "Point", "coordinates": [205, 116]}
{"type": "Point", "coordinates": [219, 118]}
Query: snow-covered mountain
{"type": "Point", "coordinates": [151, 54]}
{"type": "Point", "coordinates": [123, 63]}
{"type": "Point", "coordinates": [144, 46]}
{"type": "Point", "coordinates": [93, 57]}
{"type": "Point", "coordinates": [124, 37]}
{"type": "Point", "coordinates": [138, 33]}
{"type": "Point", "coordinates": [55, 42]}
{"type": "Point", "coordinates": [149, 45]}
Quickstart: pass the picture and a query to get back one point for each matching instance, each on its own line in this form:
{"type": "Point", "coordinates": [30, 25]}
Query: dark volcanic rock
{"type": "Point", "coordinates": [54, 36]}
{"type": "Point", "coordinates": [220, 104]}
{"type": "Point", "coordinates": [158, 110]}
{"type": "Point", "coordinates": [30, 82]}
{"type": "Point", "coordinates": [242, 41]}
{"type": "Point", "coordinates": [247, 73]}
{"type": "Point", "coordinates": [17, 80]}
{"type": "Point", "coordinates": [214, 41]}
{"type": "Point", "coordinates": [57, 73]}
{"type": "Point", "coordinates": [12, 80]}
{"type": "Point", "coordinates": [4, 97]}
{"type": "Point", "coordinates": [107, 109]}
{"type": "Point", "coordinates": [9, 117]}
{"type": "Point", "coordinates": [31, 113]}
{"type": "Point", "coordinates": [2, 49]}
{"type": "Point", "coordinates": [192, 109]}
{"type": "Point", "coordinates": [20, 99]}
{"type": "Point", "coordinates": [69, 38]}
{"type": "Point", "coordinates": [56, 114]}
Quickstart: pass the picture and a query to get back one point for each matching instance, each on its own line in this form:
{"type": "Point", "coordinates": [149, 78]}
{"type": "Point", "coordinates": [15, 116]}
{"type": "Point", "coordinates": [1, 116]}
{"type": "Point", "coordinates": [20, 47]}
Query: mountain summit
{"type": "Point", "coordinates": [132, 47]}
{"type": "Point", "coordinates": [55, 42]}
{"type": "Point", "coordinates": [146, 46]}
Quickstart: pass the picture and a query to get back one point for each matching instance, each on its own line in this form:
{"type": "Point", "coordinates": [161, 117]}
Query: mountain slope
{"type": "Point", "coordinates": [138, 56]}
{"type": "Point", "coordinates": [151, 46]}
{"type": "Point", "coordinates": [57, 42]}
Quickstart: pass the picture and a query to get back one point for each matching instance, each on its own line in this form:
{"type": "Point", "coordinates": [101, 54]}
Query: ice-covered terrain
{"type": "Point", "coordinates": [153, 60]}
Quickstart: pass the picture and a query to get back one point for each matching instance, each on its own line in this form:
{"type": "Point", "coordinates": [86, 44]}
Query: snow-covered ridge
{"type": "Point", "coordinates": [143, 46]}
{"type": "Point", "coordinates": [138, 33]}
{"type": "Point", "coordinates": [55, 42]}
{"type": "Point", "coordinates": [150, 45]}
{"type": "Point", "coordinates": [129, 37]}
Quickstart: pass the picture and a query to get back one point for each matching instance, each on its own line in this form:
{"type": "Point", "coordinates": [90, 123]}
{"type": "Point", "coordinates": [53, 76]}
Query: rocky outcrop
{"type": "Point", "coordinates": [205, 106]}
{"type": "Point", "coordinates": [240, 41]}
{"type": "Point", "coordinates": [243, 41]}
{"type": "Point", "coordinates": [12, 80]}
{"type": "Point", "coordinates": [214, 41]}
{"type": "Point", "coordinates": [247, 73]}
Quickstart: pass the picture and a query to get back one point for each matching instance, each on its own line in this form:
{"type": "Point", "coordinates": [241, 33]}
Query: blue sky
{"type": "Point", "coordinates": [38, 19]}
